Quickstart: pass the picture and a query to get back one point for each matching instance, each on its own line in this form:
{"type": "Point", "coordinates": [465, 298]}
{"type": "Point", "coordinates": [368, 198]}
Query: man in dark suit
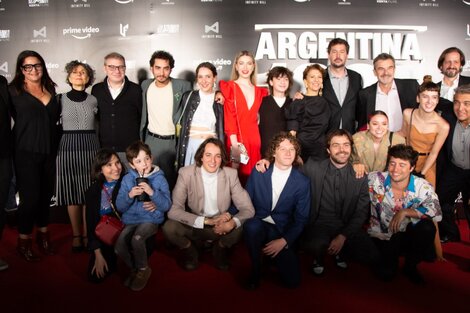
{"type": "Point", "coordinates": [389, 94]}
{"type": "Point", "coordinates": [5, 154]}
{"type": "Point", "coordinates": [281, 197]}
{"type": "Point", "coordinates": [160, 112]}
{"type": "Point", "coordinates": [450, 62]}
{"type": "Point", "coordinates": [119, 106]}
{"type": "Point", "coordinates": [341, 87]}
{"type": "Point", "coordinates": [455, 164]}
{"type": "Point", "coordinates": [340, 206]}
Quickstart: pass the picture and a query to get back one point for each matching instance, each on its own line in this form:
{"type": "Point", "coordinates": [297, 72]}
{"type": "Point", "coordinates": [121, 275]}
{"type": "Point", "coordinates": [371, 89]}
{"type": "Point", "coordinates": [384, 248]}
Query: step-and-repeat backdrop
{"type": "Point", "coordinates": [279, 32]}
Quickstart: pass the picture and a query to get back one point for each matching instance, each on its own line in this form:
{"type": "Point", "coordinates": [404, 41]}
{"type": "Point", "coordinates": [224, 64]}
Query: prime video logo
{"type": "Point", "coordinates": [80, 33]}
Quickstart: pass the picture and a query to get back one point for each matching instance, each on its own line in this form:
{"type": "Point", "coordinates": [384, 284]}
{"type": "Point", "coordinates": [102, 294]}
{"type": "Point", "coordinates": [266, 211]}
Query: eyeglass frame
{"type": "Point", "coordinates": [28, 68]}
{"type": "Point", "coordinates": [120, 68]}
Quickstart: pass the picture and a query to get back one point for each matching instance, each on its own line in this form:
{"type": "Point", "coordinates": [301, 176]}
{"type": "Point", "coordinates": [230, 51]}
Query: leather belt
{"type": "Point", "coordinates": [169, 137]}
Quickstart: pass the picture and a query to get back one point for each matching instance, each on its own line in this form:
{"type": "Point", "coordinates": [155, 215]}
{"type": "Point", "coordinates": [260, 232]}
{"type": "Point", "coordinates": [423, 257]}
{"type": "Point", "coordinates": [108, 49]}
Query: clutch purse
{"type": "Point", "coordinates": [108, 229]}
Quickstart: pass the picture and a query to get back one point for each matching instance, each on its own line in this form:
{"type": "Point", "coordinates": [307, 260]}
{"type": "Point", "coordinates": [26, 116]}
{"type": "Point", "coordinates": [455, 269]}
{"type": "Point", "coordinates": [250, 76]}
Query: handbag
{"type": "Point", "coordinates": [109, 227]}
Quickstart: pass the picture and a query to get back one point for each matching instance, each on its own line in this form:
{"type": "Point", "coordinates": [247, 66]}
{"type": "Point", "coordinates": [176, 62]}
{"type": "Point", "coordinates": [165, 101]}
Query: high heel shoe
{"type": "Point", "coordinates": [77, 248]}
{"type": "Point", "coordinates": [44, 243]}
{"type": "Point", "coordinates": [25, 250]}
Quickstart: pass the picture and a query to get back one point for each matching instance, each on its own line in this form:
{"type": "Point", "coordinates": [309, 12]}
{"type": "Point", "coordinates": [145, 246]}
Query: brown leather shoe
{"type": "Point", "coordinates": [44, 244]}
{"type": "Point", "coordinates": [25, 250]}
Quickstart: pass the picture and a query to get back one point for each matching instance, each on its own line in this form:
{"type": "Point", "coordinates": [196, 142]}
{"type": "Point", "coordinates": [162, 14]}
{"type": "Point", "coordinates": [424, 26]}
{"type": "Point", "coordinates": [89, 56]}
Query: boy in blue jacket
{"type": "Point", "coordinates": [144, 182]}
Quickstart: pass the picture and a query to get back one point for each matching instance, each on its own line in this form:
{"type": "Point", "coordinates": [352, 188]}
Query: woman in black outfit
{"type": "Point", "coordinates": [308, 118]}
{"type": "Point", "coordinates": [107, 172]}
{"type": "Point", "coordinates": [36, 135]}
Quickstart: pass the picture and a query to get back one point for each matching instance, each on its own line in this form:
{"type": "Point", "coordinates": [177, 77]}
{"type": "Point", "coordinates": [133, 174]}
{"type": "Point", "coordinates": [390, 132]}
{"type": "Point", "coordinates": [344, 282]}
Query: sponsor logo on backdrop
{"type": "Point", "coordinates": [256, 2]}
{"type": "Point", "coordinates": [123, 28]}
{"type": "Point", "coordinates": [310, 41]}
{"type": "Point", "coordinates": [301, 0]}
{"type": "Point", "coordinates": [38, 3]}
{"type": "Point", "coordinates": [40, 36]}
{"type": "Point", "coordinates": [466, 2]}
{"type": "Point", "coordinates": [1, 7]}
{"type": "Point", "coordinates": [80, 32]}
{"type": "Point", "coordinates": [429, 3]}
{"type": "Point", "coordinates": [4, 67]}
{"type": "Point", "coordinates": [387, 1]}
{"type": "Point", "coordinates": [167, 2]}
{"type": "Point", "coordinates": [202, 1]}
{"type": "Point", "coordinates": [4, 70]}
{"type": "Point", "coordinates": [344, 2]}
{"type": "Point", "coordinates": [219, 63]}
{"type": "Point", "coordinates": [468, 32]}
{"type": "Point", "coordinates": [4, 35]}
{"type": "Point", "coordinates": [167, 29]}
{"type": "Point", "coordinates": [212, 31]}
{"type": "Point", "coordinates": [79, 4]}
{"type": "Point", "coordinates": [124, 1]}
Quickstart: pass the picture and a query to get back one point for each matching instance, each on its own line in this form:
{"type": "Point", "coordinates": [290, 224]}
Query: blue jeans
{"type": "Point", "coordinates": [131, 244]}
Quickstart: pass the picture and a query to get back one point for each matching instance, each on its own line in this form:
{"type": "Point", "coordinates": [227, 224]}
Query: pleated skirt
{"type": "Point", "coordinates": [77, 150]}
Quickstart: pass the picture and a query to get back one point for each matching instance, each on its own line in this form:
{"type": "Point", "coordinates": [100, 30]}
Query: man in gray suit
{"type": "Point", "coordinates": [160, 112]}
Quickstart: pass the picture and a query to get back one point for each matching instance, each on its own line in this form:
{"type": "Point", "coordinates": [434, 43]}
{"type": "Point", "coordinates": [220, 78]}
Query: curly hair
{"type": "Point", "coordinates": [72, 65]}
{"type": "Point", "coordinates": [163, 55]}
{"type": "Point", "coordinates": [276, 142]}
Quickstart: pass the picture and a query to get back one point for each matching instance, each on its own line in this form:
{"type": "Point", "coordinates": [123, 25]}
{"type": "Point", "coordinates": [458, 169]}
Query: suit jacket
{"type": "Point", "coordinates": [292, 209]}
{"type": "Point", "coordinates": [346, 112]}
{"type": "Point", "coordinates": [5, 119]}
{"type": "Point", "coordinates": [407, 92]}
{"type": "Point", "coordinates": [356, 203]}
{"type": "Point", "coordinates": [179, 86]}
{"type": "Point", "coordinates": [119, 118]}
{"type": "Point", "coordinates": [446, 105]}
{"type": "Point", "coordinates": [188, 195]}
{"type": "Point", "coordinates": [445, 155]}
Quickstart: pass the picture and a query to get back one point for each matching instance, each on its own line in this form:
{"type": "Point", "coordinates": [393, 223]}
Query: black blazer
{"type": "Point", "coordinates": [445, 155]}
{"type": "Point", "coordinates": [445, 105]}
{"type": "Point", "coordinates": [356, 200]}
{"type": "Point", "coordinates": [348, 111]}
{"type": "Point", "coordinates": [5, 119]}
{"type": "Point", "coordinates": [407, 92]}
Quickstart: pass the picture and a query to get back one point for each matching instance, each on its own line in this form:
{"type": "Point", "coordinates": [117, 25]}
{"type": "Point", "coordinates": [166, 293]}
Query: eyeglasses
{"type": "Point", "coordinates": [29, 67]}
{"type": "Point", "coordinates": [120, 68]}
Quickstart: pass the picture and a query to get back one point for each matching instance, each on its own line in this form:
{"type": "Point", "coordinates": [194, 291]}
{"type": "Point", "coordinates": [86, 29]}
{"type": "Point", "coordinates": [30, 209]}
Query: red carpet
{"type": "Point", "coordinates": [58, 284]}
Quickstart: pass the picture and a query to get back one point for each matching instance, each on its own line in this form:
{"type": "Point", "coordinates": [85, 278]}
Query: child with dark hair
{"type": "Point", "coordinates": [144, 182]}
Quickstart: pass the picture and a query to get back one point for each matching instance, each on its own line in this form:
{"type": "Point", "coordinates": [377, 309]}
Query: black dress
{"type": "Point", "coordinates": [310, 118]}
{"type": "Point", "coordinates": [272, 120]}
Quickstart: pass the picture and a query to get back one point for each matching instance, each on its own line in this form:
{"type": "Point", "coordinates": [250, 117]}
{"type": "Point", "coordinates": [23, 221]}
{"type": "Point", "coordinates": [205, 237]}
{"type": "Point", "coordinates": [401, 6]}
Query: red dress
{"type": "Point", "coordinates": [246, 126]}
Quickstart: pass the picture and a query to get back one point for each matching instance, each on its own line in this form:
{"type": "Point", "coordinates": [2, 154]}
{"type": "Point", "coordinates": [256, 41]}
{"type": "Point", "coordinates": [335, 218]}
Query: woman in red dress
{"type": "Point", "coordinates": [242, 102]}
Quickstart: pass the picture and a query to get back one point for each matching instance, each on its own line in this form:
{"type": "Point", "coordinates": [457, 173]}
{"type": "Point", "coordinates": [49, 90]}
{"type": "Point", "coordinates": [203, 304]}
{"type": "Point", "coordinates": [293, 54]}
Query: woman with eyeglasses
{"type": "Point", "coordinates": [77, 147]}
{"type": "Point", "coordinates": [36, 136]}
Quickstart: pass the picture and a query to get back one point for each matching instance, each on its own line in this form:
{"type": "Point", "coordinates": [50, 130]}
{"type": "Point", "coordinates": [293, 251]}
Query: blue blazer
{"type": "Point", "coordinates": [292, 208]}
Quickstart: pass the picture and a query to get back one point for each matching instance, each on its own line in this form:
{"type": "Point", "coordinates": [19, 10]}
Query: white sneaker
{"type": "Point", "coordinates": [340, 262]}
{"type": "Point", "coordinates": [317, 269]}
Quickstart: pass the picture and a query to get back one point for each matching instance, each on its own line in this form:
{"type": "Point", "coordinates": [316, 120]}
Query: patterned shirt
{"type": "Point", "coordinates": [419, 196]}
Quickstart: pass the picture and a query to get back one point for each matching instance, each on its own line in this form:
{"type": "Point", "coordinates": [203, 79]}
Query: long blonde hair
{"type": "Point", "coordinates": [234, 75]}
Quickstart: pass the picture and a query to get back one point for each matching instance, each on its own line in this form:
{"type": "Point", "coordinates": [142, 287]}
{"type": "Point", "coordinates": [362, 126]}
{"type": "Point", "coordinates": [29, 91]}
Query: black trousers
{"type": "Point", "coordinates": [5, 179]}
{"type": "Point", "coordinates": [35, 174]}
{"type": "Point", "coordinates": [416, 244]}
{"type": "Point", "coordinates": [452, 181]}
{"type": "Point", "coordinates": [257, 234]}
{"type": "Point", "coordinates": [359, 247]}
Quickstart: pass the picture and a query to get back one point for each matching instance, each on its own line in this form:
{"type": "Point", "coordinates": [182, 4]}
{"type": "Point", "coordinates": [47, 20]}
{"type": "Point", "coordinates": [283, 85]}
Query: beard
{"type": "Point", "coordinates": [451, 72]}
